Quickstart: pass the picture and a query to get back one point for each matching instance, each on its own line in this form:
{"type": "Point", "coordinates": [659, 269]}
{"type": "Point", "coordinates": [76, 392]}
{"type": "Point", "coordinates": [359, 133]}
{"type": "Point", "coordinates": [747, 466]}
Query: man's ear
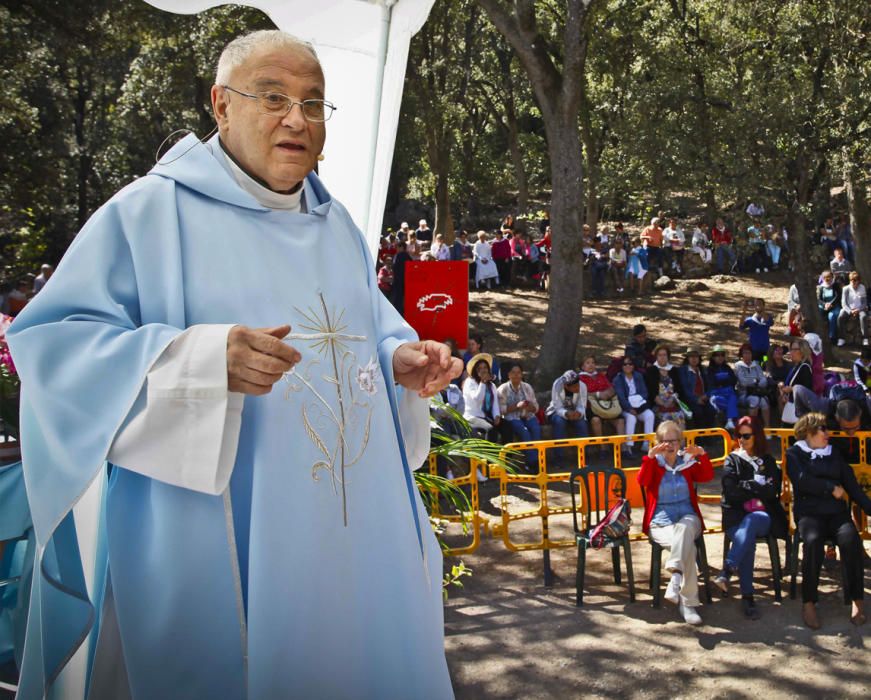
{"type": "Point", "coordinates": [220, 102]}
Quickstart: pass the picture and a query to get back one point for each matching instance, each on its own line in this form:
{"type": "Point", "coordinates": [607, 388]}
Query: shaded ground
{"type": "Point", "coordinates": [507, 636]}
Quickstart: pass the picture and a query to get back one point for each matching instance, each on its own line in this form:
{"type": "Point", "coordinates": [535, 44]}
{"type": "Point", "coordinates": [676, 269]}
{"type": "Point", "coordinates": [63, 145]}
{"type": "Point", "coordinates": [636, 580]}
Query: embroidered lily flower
{"type": "Point", "coordinates": [367, 376]}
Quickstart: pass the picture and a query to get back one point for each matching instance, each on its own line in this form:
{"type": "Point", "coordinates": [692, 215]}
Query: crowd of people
{"type": "Point", "coordinates": [14, 298]}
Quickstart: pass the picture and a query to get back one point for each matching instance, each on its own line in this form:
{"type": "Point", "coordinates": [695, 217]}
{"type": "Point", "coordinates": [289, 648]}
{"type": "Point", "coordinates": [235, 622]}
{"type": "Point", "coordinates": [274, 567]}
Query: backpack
{"type": "Point", "coordinates": [614, 525]}
{"type": "Point", "coordinates": [848, 389]}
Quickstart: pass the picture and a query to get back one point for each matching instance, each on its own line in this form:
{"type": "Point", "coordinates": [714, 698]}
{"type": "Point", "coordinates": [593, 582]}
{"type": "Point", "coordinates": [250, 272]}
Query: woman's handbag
{"type": "Point", "coordinates": [614, 525]}
{"type": "Point", "coordinates": [607, 409]}
{"type": "Point", "coordinates": [753, 505]}
{"type": "Point", "coordinates": [788, 415]}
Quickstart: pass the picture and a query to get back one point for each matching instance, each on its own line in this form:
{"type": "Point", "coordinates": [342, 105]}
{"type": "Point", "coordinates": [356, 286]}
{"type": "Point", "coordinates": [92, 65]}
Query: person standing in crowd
{"type": "Point", "coordinates": [423, 234]}
{"type": "Point", "coordinates": [485, 268]}
{"type": "Point", "coordinates": [672, 517]}
{"type": "Point", "coordinates": [758, 327]}
{"type": "Point", "coordinates": [653, 235]}
{"type": "Point", "coordinates": [751, 507]}
{"type": "Point", "coordinates": [397, 289]}
{"type": "Point", "coordinates": [823, 485]}
{"type": "Point", "coordinates": [854, 305]}
{"type": "Point", "coordinates": [500, 250]}
{"type": "Point", "coordinates": [167, 330]}
{"type": "Point", "coordinates": [45, 273]}
{"type": "Point", "coordinates": [631, 391]}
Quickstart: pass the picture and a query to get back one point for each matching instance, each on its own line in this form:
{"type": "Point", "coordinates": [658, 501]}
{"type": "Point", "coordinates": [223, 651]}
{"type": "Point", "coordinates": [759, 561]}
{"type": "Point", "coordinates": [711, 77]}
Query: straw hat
{"type": "Point", "coordinates": [487, 357]}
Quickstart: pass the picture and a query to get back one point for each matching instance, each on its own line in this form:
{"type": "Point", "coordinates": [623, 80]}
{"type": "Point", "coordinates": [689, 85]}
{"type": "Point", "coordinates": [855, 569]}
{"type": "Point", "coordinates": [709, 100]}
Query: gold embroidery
{"type": "Point", "coordinates": [329, 338]}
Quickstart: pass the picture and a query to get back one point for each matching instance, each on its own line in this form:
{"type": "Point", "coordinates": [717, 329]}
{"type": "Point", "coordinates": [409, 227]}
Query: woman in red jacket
{"type": "Point", "coordinates": [672, 517]}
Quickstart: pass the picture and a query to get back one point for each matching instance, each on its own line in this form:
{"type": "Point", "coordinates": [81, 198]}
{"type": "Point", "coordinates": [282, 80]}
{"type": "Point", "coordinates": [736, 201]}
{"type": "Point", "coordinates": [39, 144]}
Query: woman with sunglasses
{"type": "Point", "coordinates": [634, 400]}
{"type": "Point", "coordinates": [823, 485]}
{"type": "Point", "coordinates": [672, 517]}
{"type": "Point", "coordinates": [751, 507]}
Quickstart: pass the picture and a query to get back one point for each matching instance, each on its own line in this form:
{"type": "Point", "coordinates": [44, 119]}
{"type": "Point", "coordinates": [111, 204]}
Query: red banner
{"type": "Point", "coordinates": [437, 300]}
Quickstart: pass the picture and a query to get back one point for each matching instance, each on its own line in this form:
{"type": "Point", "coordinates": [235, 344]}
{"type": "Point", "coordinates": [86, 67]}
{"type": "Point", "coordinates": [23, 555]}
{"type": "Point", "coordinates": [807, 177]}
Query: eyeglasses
{"type": "Point", "coordinates": [745, 436]}
{"type": "Point", "coordinates": [275, 104]}
{"type": "Point", "coordinates": [672, 441]}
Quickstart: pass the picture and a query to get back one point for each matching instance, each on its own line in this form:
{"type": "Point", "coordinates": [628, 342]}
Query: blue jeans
{"type": "Point", "coordinates": [725, 251]}
{"type": "Point", "coordinates": [831, 317]}
{"type": "Point", "coordinates": [726, 400]}
{"type": "Point", "coordinates": [527, 430]}
{"type": "Point", "coordinates": [743, 550]}
{"type": "Point", "coordinates": [560, 425]}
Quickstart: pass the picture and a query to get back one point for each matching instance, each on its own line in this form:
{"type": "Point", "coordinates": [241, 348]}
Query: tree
{"type": "Point", "coordinates": [550, 40]}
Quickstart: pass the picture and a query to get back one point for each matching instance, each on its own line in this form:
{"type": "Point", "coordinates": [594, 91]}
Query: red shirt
{"type": "Point", "coordinates": [651, 473]}
{"type": "Point", "coordinates": [595, 382]}
{"type": "Point", "coordinates": [718, 237]}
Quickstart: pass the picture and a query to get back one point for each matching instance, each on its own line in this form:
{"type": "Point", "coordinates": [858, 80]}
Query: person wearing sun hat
{"type": "Point", "coordinates": [722, 380]}
{"type": "Point", "coordinates": [694, 383]}
{"type": "Point", "coordinates": [479, 393]}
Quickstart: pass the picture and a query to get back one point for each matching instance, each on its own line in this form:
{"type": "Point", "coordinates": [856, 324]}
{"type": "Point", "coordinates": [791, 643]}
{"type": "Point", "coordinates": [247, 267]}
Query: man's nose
{"type": "Point", "coordinates": [294, 117]}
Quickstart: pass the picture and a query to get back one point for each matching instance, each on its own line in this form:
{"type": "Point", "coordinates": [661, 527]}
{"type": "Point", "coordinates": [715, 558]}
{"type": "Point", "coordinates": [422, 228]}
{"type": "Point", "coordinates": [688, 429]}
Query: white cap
{"type": "Point", "coordinates": [404, 224]}
{"type": "Point", "coordinates": [422, 222]}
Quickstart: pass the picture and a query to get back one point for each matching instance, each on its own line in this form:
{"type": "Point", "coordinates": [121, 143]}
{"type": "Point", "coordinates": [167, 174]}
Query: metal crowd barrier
{"type": "Point", "coordinates": [547, 506]}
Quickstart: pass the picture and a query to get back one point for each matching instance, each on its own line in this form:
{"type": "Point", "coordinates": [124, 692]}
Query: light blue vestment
{"type": "Point", "coordinates": [264, 592]}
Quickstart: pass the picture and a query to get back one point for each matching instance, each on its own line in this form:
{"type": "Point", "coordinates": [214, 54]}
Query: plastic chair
{"type": "Point", "coordinates": [656, 565]}
{"type": "Point", "coordinates": [597, 502]}
{"type": "Point", "coordinates": [773, 552]}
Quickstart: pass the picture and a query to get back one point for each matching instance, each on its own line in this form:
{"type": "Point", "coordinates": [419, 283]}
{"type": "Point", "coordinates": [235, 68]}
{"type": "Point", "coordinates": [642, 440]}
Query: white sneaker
{"type": "Point", "coordinates": [449, 475]}
{"type": "Point", "coordinates": [841, 342]}
{"type": "Point", "coordinates": [758, 270]}
{"type": "Point", "coordinates": [730, 425]}
{"type": "Point", "coordinates": [672, 591]}
{"type": "Point", "coordinates": [690, 616]}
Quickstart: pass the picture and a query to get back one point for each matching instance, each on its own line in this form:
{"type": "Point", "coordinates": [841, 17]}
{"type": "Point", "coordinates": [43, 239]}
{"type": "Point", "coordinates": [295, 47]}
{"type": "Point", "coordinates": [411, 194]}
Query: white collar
{"type": "Point", "coordinates": [745, 455]}
{"type": "Point", "coordinates": [815, 453]}
{"type": "Point", "coordinates": [667, 367]}
{"type": "Point", "coordinates": [681, 463]}
{"type": "Point", "coordinates": [268, 198]}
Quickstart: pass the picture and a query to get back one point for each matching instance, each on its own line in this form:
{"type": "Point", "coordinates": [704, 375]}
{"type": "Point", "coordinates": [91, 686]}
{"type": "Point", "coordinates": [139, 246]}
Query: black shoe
{"type": "Point", "coordinates": [751, 612]}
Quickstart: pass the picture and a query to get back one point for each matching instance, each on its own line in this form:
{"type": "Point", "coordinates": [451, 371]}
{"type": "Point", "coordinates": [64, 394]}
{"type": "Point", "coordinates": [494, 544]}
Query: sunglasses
{"type": "Point", "coordinates": [745, 436]}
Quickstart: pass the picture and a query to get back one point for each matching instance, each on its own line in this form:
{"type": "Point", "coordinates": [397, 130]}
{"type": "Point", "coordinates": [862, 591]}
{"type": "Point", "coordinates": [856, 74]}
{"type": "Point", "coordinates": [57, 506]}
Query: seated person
{"type": "Point", "coordinates": [694, 385]}
{"type": "Point", "coordinates": [598, 264]}
{"type": "Point", "coordinates": [641, 348]}
{"type": "Point", "coordinates": [840, 267]}
{"type": "Point", "coordinates": [753, 387]}
{"type": "Point", "coordinates": [663, 387]}
{"type": "Point", "coordinates": [475, 347]}
{"type": "Point", "coordinates": [799, 375]}
{"type": "Point", "coordinates": [479, 393]}
{"type": "Point", "coordinates": [751, 507]}
{"type": "Point", "coordinates": [854, 304]}
{"type": "Point", "coordinates": [829, 303]}
{"type": "Point", "coordinates": [721, 384]}
{"type": "Point", "coordinates": [862, 369]}
{"type": "Point", "coordinates": [631, 390]}
{"type": "Point", "coordinates": [672, 517]}
{"type": "Point", "coordinates": [568, 405]}
{"type": "Point", "coordinates": [518, 405]}
{"type": "Point", "coordinates": [617, 256]}
{"type": "Point", "coordinates": [823, 484]}
{"type": "Point", "coordinates": [777, 366]}
{"type": "Point", "coordinates": [701, 245]}
{"type": "Point", "coordinates": [604, 405]}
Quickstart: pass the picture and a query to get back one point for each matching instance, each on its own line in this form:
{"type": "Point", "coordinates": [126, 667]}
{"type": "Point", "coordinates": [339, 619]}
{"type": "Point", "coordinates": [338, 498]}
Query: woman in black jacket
{"type": "Point", "coordinates": [823, 483]}
{"type": "Point", "coordinates": [751, 506]}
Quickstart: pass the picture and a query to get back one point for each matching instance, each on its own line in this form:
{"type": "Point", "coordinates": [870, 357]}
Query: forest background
{"type": "Point", "coordinates": [575, 111]}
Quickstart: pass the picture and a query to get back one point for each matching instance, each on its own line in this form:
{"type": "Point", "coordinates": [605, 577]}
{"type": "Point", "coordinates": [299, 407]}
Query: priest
{"type": "Point", "coordinates": [215, 349]}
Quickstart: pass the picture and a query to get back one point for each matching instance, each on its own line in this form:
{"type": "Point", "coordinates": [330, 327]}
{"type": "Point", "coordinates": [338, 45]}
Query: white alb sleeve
{"type": "Point", "coordinates": [184, 427]}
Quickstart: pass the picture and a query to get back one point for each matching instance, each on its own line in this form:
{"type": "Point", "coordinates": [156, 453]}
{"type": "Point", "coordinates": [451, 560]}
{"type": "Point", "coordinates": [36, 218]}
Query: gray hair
{"type": "Point", "coordinates": [240, 49]}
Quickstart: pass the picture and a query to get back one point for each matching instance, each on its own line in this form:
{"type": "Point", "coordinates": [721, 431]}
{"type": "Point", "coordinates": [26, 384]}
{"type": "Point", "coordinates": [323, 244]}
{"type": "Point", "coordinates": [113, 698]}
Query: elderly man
{"type": "Point", "coordinates": [45, 273]}
{"type": "Point", "coordinates": [257, 543]}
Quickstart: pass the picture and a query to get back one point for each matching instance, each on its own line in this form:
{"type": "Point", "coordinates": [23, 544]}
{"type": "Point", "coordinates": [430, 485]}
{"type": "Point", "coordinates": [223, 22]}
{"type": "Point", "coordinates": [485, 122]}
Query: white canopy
{"type": "Point", "coordinates": [363, 47]}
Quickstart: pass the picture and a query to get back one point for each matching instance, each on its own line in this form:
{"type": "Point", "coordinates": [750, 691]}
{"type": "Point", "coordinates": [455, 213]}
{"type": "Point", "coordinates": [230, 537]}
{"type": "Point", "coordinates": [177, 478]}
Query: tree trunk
{"type": "Point", "coordinates": [799, 246]}
{"type": "Point", "coordinates": [860, 220]}
{"type": "Point", "coordinates": [444, 222]}
{"type": "Point", "coordinates": [560, 338]}
{"type": "Point", "coordinates": [517, 159]}
{"type": "Point", "coordinates": [592, 212]}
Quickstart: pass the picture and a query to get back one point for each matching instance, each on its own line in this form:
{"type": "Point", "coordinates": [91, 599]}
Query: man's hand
{"type": "Point", "coordinates": [257, 358]}
{"type": "Point", "coordinates": [425, 367]}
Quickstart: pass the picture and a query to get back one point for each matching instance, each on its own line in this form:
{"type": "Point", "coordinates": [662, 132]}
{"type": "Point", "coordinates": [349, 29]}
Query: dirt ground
{"type": "Point", "coordinates": [509, 636]}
